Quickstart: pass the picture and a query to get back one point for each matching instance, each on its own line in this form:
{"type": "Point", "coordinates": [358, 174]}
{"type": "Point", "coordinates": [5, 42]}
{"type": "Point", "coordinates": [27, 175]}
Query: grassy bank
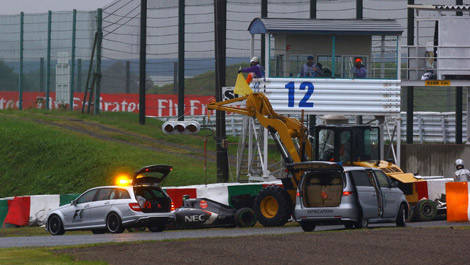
{"type": "Point", "coordinates": [39, 159]}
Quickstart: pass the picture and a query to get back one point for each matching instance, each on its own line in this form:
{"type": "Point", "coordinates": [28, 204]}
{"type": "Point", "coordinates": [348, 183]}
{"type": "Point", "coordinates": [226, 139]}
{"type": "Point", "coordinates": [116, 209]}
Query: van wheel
{"type": "Point", "coordinates": [273, 206]}
{"type": "Point", "coordinates": [55, 225]}
{"type": "Point", "coordinates": [307, 226]}
{"type": "Point", "coordinates": [362, 223]}
{"type": "Point", "coordinates": [114, 223]}
{"type": "Point", "coordinates": [245, 217]}
{"type": "Point", "coordinates": [401, 216]}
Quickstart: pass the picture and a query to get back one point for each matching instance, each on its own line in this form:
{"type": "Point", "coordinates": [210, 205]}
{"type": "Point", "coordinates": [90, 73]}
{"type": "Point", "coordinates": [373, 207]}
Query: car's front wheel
{"type": "Point", "coordinates": [55, 225]}
{"type": "Point", "coordinates": [307, 226]}
{"type": "Point", "coordinates": [114, 223]}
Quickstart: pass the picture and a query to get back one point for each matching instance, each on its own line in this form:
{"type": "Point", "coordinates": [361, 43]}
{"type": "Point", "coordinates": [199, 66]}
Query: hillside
{"type": "Point", "coordinates": [203, 84]}
{"type": "Point", "coordinates": [63, 152]}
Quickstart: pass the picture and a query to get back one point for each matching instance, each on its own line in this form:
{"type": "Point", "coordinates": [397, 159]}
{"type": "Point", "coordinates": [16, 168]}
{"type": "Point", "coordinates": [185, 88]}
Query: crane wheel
{"type": "Point", "coordinates": [273, 206]}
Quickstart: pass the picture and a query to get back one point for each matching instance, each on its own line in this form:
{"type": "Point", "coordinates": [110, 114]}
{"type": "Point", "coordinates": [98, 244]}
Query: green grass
{"type": "Point", "coordinates": [38, 159]}
{"type": "Point", "coordinates": [38, 256]}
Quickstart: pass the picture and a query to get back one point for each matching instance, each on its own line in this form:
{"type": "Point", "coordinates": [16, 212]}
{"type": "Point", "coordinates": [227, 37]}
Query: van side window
{"type": "Point", "coordinates": [383, 179]}
{"type": "Point", "coordinates": [360, 178]}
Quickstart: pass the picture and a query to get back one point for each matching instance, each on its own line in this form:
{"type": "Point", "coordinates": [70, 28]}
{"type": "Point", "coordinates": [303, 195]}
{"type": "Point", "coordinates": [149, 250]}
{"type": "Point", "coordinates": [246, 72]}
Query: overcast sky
{"type": "Point", "coordinates": [41, 6]}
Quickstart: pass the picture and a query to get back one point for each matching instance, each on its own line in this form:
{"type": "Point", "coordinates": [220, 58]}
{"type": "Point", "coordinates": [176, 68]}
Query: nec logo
{"type": "Point", "coordinates": [194, 218]}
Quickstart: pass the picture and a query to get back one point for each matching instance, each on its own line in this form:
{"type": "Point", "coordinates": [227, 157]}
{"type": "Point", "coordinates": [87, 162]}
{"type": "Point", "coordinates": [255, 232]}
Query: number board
{"type": "Point", "coordinates": [333, 96]}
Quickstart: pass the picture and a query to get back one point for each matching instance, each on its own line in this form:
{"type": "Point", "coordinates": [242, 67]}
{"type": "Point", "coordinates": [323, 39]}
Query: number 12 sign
{"type": "Point", "coordinates": [304, 101]}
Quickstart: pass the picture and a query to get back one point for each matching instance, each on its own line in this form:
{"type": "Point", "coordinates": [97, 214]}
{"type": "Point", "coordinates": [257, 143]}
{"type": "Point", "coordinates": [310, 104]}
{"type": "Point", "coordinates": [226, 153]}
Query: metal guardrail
{"type": "Point", "coordinates": [429, 127]}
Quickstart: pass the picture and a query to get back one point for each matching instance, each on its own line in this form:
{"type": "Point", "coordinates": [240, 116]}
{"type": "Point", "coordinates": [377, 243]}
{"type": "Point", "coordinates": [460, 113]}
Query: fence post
{"type": "Point", "coordinates": [79, 75]}
{"type": "Point", "coordinates": [48, 64]}
{"type": "Point", "coordinates": [72, 68]}
{"type": "Point", "coordinates": [99, 43]}
{"type": "Point", "coordinates": [128, 77]}
{"type": "Point", "coordinates": [264, 14]}
{"type": "Point", "coordinates": [142, 59]}
{"type": "Point", "coordinates": [313, 9]}
{"type": "Point", "coordinates": [41, 74]}
{"type": "Point", "coordinates": [181, 24]}
{"type": "Point", "coordinates": [20, 79]}
{"type": "Point", "coordinates": [443, 128]}
{"type": "Point", "coordinates": [359, 8]}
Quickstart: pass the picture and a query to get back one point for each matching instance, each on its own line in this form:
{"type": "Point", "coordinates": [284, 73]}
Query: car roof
{"type": "Point", "coordinates": [351, 168]}
{"type": "Point", "coordinates": [111, 187]}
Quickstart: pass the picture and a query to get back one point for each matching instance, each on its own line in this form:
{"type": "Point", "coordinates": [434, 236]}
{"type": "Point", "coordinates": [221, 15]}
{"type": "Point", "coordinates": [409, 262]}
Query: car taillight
{"type": "Point", "coordinates": [347, 193]}
{"type": "Point", "coordinates": [135, 207]}
{"type": "Point", "coordinates": [172, 206]}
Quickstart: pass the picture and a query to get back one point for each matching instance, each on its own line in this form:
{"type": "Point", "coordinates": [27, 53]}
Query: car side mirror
{"type": "Point", "coordinates": [73, 202]}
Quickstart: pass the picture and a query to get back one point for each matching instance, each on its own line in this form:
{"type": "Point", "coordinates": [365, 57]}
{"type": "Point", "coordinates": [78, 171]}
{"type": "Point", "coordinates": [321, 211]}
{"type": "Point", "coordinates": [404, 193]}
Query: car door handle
{"type": "Point", "coordinates": [106, 203]}
{"type": "Point", "coordinates": [87, 206]}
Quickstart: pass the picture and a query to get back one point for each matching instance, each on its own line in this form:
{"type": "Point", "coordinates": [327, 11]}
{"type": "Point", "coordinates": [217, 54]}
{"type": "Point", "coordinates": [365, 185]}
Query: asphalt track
{"type": "Point", "coordinates": [67, 240]}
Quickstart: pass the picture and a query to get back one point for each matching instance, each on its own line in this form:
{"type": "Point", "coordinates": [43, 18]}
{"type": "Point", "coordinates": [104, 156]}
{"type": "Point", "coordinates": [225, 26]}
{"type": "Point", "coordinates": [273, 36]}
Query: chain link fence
{"type": "Point", "coordinates": [36, 56]}
{"type": "Point", "coordinates": [120, 50]}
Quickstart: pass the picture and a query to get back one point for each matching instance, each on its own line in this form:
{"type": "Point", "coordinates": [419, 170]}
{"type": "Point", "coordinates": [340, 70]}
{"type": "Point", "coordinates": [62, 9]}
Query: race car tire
{"type": "Point", "coordinates": [114, 223]}
{"type": "Point", "coordinates": [425, 210]}
{"type": "Point", "coordinates": [156, 228]}
{"type": "Point", "coordinates": [98, 231]}
{"type": "Point", "coordinates": [307, 226]}
{"type": "Point", "coordinates": [349, 225]}
{"type": "Point", "coordinates": [273, 206]}
{"type": "Point", "coordinates": [55, 225]}
{"type": "Point", "coordinates": [245, 217]}
{"type": "Point", "coordinates": [401, 216]}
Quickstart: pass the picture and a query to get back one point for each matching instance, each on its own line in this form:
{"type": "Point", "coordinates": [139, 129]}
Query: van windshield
{"type": "Point", "coordinates": [323, 189]}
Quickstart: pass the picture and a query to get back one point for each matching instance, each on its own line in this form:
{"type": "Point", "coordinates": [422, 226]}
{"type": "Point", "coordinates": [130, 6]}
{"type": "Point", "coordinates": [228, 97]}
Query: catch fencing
{"type": "Point", "coordinates": [37, 50]}
{"type": "Point", "coordinates": [430, 127]}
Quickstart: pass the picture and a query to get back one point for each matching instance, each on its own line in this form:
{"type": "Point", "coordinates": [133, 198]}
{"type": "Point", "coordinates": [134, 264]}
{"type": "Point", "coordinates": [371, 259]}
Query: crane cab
{"type": "Point", "coordinates": [346, 143]}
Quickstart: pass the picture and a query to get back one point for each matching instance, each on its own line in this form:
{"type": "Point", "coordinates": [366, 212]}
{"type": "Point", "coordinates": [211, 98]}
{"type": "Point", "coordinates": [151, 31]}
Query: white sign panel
{"type": "Point", "coordinates": [62, 87]}
{"type": "Point", "coordinates": [333, 96]}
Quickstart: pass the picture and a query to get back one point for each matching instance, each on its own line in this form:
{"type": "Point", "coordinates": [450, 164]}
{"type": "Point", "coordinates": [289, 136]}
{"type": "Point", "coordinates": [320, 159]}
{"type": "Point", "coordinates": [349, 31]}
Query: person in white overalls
{"type": "Point", "coordinates": [462, 174]}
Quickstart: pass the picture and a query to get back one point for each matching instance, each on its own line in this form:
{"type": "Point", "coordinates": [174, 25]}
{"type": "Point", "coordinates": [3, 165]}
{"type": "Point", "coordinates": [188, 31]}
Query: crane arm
{"type": "Point", "coordinates": [288, 129]}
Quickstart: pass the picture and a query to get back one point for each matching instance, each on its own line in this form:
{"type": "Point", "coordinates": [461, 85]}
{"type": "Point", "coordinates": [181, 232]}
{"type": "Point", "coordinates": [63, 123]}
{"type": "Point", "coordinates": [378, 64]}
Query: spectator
{"type": "Point", "coordinates": [359, 70]}
{"type": "Point", "coordinates": [309, 69]}
{"type": "Point", "coordinates": [255, 68]}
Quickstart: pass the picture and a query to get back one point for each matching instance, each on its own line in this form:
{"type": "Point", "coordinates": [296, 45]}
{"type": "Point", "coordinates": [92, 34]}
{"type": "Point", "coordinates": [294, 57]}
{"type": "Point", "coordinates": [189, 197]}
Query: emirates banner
{"type": "Point", "coordinates": [155, 105]}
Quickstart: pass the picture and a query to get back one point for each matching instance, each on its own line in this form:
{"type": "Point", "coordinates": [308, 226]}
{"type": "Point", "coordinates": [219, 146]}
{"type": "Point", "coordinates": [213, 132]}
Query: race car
{"type": "Point", "coordinates": [203, 213]}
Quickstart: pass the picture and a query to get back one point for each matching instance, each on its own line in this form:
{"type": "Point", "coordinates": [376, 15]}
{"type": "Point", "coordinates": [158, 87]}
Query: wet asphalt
{"type": "Point", "coordinates": [68, 240]}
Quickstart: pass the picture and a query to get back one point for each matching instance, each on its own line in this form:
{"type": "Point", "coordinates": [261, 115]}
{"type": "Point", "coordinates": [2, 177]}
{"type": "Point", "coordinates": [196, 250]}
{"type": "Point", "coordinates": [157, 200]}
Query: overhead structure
{"type": "Point", "coordinates": [336, 45]}
{"type": "Point", "coordinates": [443, 61]}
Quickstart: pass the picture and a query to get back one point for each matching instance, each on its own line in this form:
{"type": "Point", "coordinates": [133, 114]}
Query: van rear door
{"type": "Point", "coordinates": [322, 183]}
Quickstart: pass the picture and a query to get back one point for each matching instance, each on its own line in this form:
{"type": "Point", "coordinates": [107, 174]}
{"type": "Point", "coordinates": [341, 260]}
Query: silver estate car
{"type": "Point", "coordinates": [353, 196]}
{"type": "Point", "coordinates": [114, 208]}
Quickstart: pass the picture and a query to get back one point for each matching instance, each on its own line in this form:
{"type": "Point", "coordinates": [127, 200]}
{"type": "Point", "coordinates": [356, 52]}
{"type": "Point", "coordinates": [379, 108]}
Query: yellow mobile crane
{"type": "Point", "coordinates": [274, 204]}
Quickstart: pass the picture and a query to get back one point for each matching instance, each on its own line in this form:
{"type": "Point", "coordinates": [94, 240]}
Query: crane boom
{"type": "Point", "coordinates": [289, 133]}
